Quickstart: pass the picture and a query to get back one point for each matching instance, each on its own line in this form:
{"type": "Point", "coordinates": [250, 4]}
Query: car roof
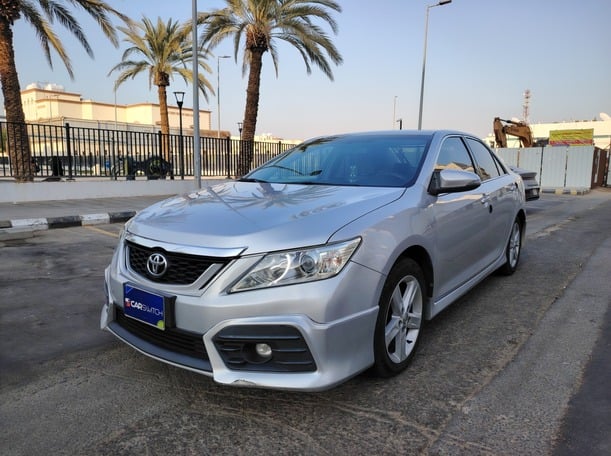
{"type": "Point", "coordinates": [387, 133]}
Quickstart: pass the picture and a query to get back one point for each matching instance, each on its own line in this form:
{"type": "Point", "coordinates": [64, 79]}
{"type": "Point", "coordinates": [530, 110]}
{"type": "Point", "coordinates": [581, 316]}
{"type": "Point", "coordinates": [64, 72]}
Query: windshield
{"type": "Point", "coordinates": [374, 161]}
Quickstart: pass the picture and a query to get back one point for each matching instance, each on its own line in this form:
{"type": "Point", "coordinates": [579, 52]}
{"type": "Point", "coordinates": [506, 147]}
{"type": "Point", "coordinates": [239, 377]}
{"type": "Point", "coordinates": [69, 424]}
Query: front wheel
{"type": "Point", "coordinates": [399, 318]}
{"type": "Point", "coordinates": [513, 249]}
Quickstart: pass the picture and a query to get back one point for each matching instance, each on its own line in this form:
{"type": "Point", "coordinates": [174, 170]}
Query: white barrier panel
{"type": "Point", "coordinates": [509, 156]}
{"type": "Point", "coordinates": [557, 167]}
{"type": "Point", "coordinates": [530, 159]}
{"type": "Point", "coordinates": [579, 167]}
{"type": "Point", "coordinates": [553, 167]}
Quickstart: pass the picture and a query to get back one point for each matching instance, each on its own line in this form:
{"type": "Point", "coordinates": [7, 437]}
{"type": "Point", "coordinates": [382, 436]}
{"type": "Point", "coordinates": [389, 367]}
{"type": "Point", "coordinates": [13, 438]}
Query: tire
{"type": "Point", "coordinates": [153, 166]}
{"type": "Point", "coordinates": [157, 167]}
{"type": "Point", "coordinates": [513, 249]}
{"type": "Point", "coordinates": [399, 319]}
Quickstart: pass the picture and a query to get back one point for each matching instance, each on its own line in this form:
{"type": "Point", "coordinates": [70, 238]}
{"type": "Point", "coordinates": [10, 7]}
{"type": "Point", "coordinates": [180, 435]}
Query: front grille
{"type": "Point", "coordinates": [182, 269]}
{"type": "Point", "coordinates": [172, 339]}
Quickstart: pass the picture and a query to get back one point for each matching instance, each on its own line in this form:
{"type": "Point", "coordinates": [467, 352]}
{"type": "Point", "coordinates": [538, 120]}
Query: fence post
{"type": "Point", "coordinates": [160, 143]}
{"type": "Point", "coordinates": [228, 152]}
{"type": "Point", "coordinates": [69, 150]}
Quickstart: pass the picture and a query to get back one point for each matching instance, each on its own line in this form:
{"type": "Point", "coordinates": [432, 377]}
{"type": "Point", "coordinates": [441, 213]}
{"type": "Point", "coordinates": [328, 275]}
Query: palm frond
{"type": "Point", "coordinates": [260, 23]}
{"type": "Point", "coordinates": [43, 14]}
{"type": "Point", "coordinates": [160, 47]}
{"type": "Point", "coordinates": [254, 27]}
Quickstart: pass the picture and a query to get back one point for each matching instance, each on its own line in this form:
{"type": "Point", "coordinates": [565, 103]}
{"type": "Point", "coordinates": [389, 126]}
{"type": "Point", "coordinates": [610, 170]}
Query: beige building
{"type": "Point", "coordinates": [51, 104]}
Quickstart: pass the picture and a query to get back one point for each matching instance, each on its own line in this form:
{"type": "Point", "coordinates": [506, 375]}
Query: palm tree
{"type": "Point", "coordinates": [40, 14]}
{"type": "Point", "coordinates": [163, 49]}
{"type": "Point", "coordinates": [260, 23]}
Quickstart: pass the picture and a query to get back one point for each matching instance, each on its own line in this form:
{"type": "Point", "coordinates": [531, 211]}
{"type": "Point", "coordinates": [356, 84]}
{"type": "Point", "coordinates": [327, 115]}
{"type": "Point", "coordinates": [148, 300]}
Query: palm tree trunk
{"type": "Point", "coordinates": [250, 112]}
{"type": "Point", "coordinates": [17, 135]}
{"type": "Point", "coordinates": [165, 124]}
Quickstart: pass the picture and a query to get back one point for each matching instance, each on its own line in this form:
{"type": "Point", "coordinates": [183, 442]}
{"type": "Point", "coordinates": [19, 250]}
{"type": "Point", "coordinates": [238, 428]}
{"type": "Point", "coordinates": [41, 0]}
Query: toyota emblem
{"type": "Point", "coordinates": [156, 265]}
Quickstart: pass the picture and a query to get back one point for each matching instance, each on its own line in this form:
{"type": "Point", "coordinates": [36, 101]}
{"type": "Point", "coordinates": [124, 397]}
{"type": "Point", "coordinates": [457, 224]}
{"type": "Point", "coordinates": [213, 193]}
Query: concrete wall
{"type": "Point", "coordinates": [12, 192]}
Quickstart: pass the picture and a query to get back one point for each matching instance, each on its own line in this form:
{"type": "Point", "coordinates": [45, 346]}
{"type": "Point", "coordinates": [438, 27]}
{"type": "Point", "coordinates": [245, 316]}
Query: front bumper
{"type": "Point", "coordinates": [320, 333]}
{"type": "Point", "coordinates": [333, 351]}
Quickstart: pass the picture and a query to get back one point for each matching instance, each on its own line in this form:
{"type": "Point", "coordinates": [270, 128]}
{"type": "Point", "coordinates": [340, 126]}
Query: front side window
{"type": "Point", "coordinates": [453, 154]}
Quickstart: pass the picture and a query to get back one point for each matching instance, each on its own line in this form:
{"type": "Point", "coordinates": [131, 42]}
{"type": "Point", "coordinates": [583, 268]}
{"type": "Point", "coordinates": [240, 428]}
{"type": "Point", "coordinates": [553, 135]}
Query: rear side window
{"type": "Point", "coordinates": [486, 166]}
{"type": "Point", "coordinates": [453, 154]}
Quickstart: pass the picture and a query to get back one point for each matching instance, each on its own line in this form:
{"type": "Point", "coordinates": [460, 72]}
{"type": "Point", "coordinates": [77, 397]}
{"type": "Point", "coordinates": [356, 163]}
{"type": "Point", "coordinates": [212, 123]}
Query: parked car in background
{"type": "Point", "coordinates": [320, 264]}
{"type": "Point", "coordinates": [532, 190]}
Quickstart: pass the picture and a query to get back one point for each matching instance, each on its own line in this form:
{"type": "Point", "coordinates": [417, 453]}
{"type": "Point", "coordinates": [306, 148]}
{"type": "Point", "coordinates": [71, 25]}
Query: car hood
{"type": "Point", "coordinates": [257, 217]}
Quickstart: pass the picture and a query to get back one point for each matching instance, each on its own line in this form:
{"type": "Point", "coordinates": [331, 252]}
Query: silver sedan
{"type": "Point", "coordinates": [318, 265]}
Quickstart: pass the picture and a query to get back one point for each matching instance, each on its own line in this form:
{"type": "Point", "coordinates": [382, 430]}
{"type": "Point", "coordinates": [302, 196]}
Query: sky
{"type": "Point", "coordinates": [482, 55]}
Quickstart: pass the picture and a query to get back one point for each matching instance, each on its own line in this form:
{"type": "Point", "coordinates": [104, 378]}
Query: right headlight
{"type": "Point", "coordinates": [297, 266]}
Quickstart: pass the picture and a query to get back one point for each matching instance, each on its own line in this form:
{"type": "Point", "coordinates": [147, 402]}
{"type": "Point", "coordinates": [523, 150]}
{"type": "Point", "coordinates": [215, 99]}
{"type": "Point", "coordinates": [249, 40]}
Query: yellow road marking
{"type": "Point", "coordinates": [101, 231]}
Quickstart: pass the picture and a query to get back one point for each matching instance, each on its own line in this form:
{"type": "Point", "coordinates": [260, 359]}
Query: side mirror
{"type": "Point", "coordinates": [452, 181]}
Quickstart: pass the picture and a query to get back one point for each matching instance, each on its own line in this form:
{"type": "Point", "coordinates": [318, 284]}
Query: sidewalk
{"type": "Point", "coordinates": [40, 215]}
{"type": "Point", "coordinates": [45, 205]}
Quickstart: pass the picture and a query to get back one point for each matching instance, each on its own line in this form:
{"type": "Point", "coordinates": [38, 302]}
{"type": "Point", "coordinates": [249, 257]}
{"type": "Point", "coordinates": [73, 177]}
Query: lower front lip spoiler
{"type": "Point", "coordinates": [200, 366]}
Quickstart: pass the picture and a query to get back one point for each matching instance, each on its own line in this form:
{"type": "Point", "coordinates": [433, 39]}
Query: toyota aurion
{"type": "Point", "coordinates": [318, 265]}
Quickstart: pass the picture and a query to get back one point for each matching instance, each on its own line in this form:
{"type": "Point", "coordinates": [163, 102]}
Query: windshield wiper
{"type": "Point", "coordinates": [286, 168]}
{"type": "Point", "coordinates": [252, 179]}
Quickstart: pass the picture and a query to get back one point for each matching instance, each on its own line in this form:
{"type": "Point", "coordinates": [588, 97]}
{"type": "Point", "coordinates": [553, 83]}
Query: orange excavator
{"type": "Point", "coordinates": [521, 130]}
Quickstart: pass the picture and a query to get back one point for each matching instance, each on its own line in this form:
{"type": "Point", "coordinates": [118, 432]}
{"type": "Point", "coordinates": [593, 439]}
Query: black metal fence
{"type": "Point", "coordinates": [67, 151]}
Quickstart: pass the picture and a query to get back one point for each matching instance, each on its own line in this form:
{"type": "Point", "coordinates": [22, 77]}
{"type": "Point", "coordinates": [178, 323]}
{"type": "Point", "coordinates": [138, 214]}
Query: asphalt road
{"type": "Point", "coordinates": [515, 367]}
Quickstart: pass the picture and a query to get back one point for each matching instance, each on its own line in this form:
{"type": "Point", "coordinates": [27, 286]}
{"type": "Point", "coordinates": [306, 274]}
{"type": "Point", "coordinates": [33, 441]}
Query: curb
{"type": "Point", "coordinates": [35, 224]}
{"type": "Point", "coordinates": [566, 191]}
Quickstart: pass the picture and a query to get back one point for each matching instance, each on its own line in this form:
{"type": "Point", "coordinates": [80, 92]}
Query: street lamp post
{"type": "Point", "coordinates": [115, 93]}
{"type": "Point", "coordinates": [218, 92]}
{"type": "Point", "coordinates": [394, 111]}
{"type": "Point", "coordinates": [240, 126]}
{"type": "Point", "coordinates": [180, 98]}
{"type": "Point", "coordinates": [426, 29]}
{"type": "Point", "coordinates": [197, 156]}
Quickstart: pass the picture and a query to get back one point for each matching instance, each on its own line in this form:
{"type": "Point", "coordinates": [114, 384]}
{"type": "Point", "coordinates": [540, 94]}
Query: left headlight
{"type": "Point", "coordinates": [297, 266]}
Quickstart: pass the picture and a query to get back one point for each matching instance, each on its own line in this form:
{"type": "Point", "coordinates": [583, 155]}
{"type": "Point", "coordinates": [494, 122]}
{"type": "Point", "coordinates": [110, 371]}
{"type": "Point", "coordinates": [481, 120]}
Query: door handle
{"type": "Point", "coordinates": [485, 200]}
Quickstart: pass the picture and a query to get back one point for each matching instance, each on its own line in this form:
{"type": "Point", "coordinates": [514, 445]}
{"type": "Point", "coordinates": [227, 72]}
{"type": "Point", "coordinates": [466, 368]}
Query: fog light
{"type": "Point", "coordinates": [263, 350]}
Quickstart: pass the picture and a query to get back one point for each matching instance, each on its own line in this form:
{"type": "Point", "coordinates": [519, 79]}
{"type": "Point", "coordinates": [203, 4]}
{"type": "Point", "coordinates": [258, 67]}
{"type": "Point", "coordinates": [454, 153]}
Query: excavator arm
{"type": "Point", "coordinates": [521, 130]}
